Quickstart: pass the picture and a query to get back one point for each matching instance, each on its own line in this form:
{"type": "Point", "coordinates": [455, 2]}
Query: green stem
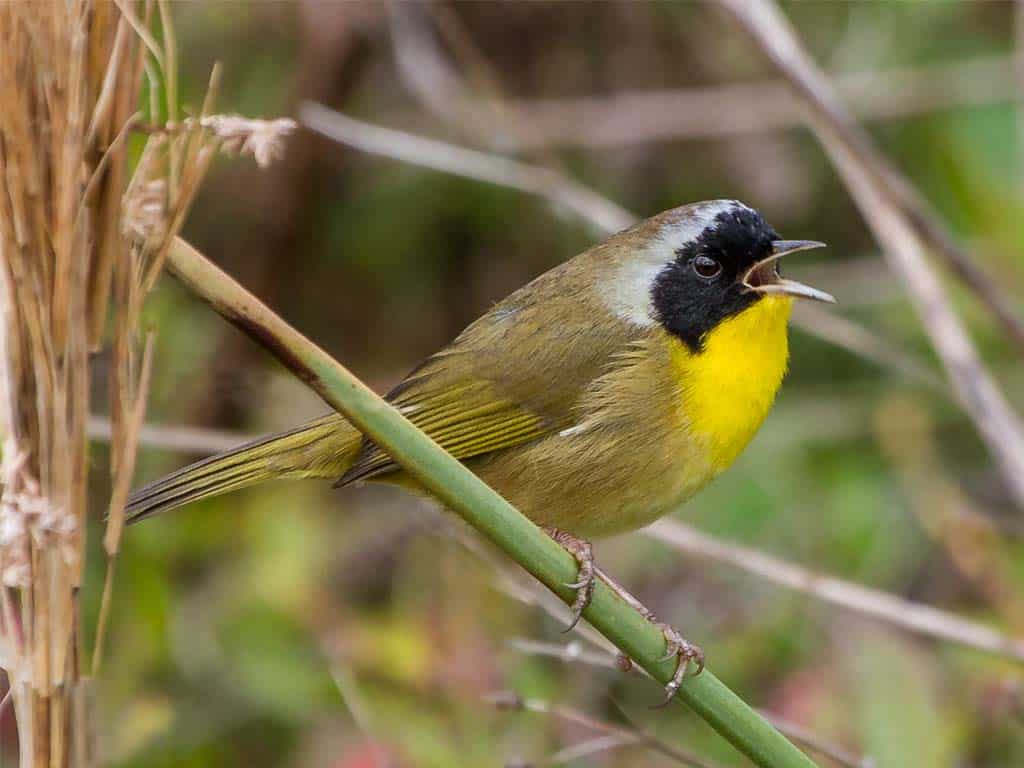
{"type": "Point", "coordinates": [464, 493]}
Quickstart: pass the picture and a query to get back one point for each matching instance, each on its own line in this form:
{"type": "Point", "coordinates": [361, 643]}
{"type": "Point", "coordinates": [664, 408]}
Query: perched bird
{"type": "Point", "coordinates": [596, 398]}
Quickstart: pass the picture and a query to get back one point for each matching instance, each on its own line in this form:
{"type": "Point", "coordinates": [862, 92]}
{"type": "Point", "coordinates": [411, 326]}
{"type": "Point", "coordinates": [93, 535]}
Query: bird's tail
{"type": "Point", "coordinates": [323, 448]}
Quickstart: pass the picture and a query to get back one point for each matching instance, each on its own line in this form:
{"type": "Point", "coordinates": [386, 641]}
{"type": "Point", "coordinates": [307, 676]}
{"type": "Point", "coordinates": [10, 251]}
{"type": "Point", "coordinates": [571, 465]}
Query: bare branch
{"type": "Point", "coordinates": [907, 229]}
{"type": "Point", "coordinates": [628, 118]}
{"type": "Point", "coordinates": [598, 211]}
{"type": "Point", "coordinates": [812, 741]}
{"type": "Point", "coordinates": [589, 748]}
{"type": "Point", "coordinates": [842, 332]}
{"type": "Point", "coordinates": [175, 438]}
{"type": "Point", "coordinates": [915, 617]}
{"type": "Point", "coordinates": [355, 702]}
{"type": "Point", "coordinates": [571, 652]}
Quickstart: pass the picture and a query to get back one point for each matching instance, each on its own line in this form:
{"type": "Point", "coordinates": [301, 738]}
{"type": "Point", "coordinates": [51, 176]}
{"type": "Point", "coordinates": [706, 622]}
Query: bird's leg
{"type": "Point", "coordinates": [584, 584]}
{"type": "Point", "coordinates": [675, 644]}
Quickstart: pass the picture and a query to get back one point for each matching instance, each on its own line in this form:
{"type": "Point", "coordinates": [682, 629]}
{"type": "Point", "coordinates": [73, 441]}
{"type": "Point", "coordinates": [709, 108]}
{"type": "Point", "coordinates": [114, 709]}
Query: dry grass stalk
{"type": "Point", "coordinates": [80, 247]}
{"type": "Point", "coordinates": [58, 60]}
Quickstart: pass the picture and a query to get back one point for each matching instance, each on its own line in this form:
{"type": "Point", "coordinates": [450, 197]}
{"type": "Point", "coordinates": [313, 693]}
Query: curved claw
{"type": "Point", "coordinates": [671, 689]}
{"type": "Point", "coordinates": [584, 594]}
{"type": "Point", "coordinates": [675, 644]}
{"type": "Point", "coordinates": [678, 646]}
{"type": "Point", "coordinates": [581, 550]}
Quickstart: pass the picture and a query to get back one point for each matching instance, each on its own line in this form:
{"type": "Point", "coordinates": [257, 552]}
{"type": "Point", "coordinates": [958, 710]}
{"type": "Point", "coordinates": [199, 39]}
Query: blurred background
{"type": "Point", "coordinates": [293, 625]}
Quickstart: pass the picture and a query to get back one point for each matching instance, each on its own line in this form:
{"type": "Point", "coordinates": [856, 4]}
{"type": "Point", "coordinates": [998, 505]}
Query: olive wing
{"type": "Point", "coordinates": [513, 376]}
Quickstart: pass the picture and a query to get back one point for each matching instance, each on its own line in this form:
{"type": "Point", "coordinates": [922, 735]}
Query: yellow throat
{"type": "Point", "coordinates": [728, 388]}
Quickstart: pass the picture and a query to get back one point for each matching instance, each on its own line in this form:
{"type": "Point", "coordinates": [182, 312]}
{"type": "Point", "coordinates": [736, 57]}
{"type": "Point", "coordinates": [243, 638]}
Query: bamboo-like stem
{"type": "Point", "coordinates": [464, 493]}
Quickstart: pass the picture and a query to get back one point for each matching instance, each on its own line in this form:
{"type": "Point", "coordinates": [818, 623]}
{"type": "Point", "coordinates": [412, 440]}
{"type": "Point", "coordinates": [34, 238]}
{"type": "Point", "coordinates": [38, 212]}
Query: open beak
{"type": "Point", "coordinates": [764, 276]}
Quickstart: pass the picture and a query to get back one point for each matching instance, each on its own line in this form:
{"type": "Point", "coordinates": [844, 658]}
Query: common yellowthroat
{"type": "Point", "coordinates": [596, 398]}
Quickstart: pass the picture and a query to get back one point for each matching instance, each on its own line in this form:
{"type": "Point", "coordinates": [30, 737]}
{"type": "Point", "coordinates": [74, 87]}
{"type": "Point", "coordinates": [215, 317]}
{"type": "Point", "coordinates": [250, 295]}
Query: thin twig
{"type": "Point", "coordinates": [506, 700]}
{"type": "Point", "coordinates": [510, 583]}
{"type": "Point", "coordinates": [970, 538]}
{"type": "Point", "coordinates": [915, 617]}
{"type": "Point", "coordinates": [627, 118]}
{"type": "Point", "coordinates": [842, 332]}
{"type": "Point", "coordinates": [198, 440]}
{"type": "Point", "coordinates": [448, 80]}
{"type": "Point", "coordinates": [573, 651]}
{"type": "Point", "coordinates": [589, 748]}
{"type": "Point", "coordinates": [350, 694]}
{"type": "Point", "coordinates": [416, 150]}
{"type": "Point", "coordinates": [908, 230]}
{"type": "Point", "coordinates": [815, 743]}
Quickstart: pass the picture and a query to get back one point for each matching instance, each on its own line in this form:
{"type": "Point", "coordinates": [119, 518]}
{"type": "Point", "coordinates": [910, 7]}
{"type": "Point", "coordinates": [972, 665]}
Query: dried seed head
{"type": "Point", "coordinates": [145, 211]}
{"type": "Point", "coordinates": [263, 139]}
{"type": "Point", "coordinates": [25, 513]}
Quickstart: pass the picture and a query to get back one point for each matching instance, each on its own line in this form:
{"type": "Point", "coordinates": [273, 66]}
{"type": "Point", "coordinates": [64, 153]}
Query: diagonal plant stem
{"type": "Point", "coordinates": [573, 652]}
{"type": "Point", "coordinates": [877, 604]}
{"type": "Point", "coordinates": [907, 231]}
{"type": "Point", "coordinates": [464, 493]}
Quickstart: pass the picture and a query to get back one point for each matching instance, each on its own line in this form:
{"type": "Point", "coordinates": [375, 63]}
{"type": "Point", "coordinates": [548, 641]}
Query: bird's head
{"type": "Point", "coordinates": [693, 267]}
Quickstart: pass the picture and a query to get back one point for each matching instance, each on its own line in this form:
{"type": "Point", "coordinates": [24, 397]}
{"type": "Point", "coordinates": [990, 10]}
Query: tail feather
{"type": "Point", "coordinates": [322, 448]}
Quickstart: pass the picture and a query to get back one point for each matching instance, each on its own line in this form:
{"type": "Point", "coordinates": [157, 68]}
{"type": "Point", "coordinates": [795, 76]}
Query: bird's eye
{"type": "Point", "coordinates": [706, 267]}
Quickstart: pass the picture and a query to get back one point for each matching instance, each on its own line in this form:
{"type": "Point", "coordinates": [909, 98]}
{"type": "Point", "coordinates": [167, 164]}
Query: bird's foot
{"type": "Point", "coordinates": [684, 651]}
{"type": "Point", "coordinates": [675, 644]}
{"type": "Point", "coordinates": [581, 550]}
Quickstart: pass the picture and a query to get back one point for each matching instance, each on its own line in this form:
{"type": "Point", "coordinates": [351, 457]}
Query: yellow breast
{"type": "Point", "coordinates": [728, 387]}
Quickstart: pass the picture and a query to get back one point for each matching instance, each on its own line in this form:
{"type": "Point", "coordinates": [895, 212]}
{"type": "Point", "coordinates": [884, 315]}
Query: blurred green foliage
{"type": "Point", "coordinates": [295, 625]}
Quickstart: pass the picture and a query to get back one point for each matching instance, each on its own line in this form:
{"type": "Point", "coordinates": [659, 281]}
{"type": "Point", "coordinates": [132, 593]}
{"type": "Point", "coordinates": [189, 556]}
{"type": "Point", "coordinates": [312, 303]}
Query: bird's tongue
{"type": "Point", "coordinates": [764, 274]}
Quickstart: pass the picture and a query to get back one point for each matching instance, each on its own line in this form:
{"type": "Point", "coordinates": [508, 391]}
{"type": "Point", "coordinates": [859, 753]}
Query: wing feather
{"type": "Point", "coordinates": [516, 374]}
{"type": "Point", "coordinates": [466, 421]}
